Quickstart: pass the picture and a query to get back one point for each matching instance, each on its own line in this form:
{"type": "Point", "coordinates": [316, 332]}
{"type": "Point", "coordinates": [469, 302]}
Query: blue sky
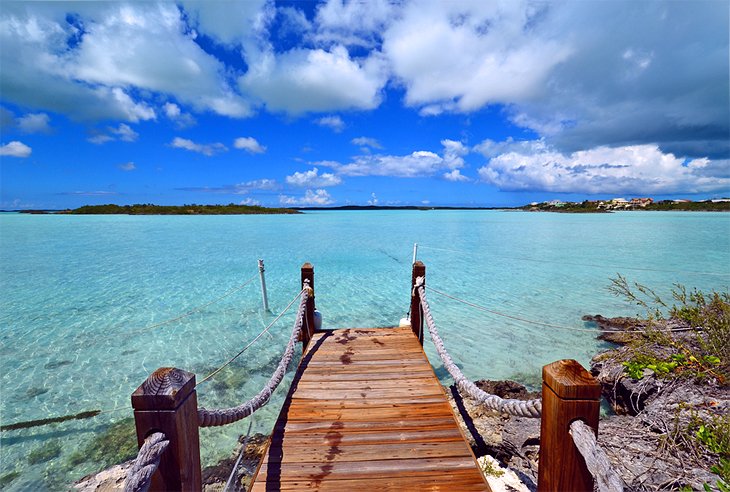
{"type": "Point", "coordinates": [338, 102]}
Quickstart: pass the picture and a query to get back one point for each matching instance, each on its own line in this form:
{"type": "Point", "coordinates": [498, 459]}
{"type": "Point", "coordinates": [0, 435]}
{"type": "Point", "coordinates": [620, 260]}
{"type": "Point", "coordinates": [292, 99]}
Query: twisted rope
{"type": "Point", "coordinates": [225, 416]}
{"type": "Point", "coordinates": [607, 480]}
{"type": "Point", "coordinates": [520, 408]}
{"type": "Point", "coordinates": [148, 459]}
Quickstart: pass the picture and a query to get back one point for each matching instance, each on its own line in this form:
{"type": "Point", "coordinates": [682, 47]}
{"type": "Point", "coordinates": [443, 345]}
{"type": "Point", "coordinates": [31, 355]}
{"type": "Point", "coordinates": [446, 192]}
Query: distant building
{"type": "Point", "coordinates": [720, 200]}
{"type": "Point", "coordinates": [682, 201]}
{"type": "Point", "coordinates": [556, 203]}
{"type": "Point", "coordinates": [641, 202]}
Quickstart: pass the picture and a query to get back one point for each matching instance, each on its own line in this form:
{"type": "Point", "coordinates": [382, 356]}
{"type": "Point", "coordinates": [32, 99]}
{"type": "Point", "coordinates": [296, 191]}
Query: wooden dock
{"type": "Point", "coordinates": [366, 412]}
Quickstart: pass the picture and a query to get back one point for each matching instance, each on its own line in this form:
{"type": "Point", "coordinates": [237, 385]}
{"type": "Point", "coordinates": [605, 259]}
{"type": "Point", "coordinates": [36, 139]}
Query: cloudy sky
{"type": "Point", "coordinates": [341, 102]}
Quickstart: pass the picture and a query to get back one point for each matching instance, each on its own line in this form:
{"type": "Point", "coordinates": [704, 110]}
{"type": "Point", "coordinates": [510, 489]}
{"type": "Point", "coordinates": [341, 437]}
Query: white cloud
{"type": "Point", "coordinates": [353, 23]}
{"type": "Point", "coordinates": [15, 149]}
{"type": "Point", "coordinates": [373, 199]}
{"type": "Point", "coordinates": [458, 56]}
{"type": "Point", "coordinates": [108, 60]}
{"type": "Point", "coordinates": [228, 24]}
{"type": "Point", "coordinates": [243, 188]}
{"type": "Point", "coordinates": [312, 179]}
{"type": "Point", "coordinates": [123, 132]}
{"type": "Point", "coordinates": [303, 80]}
{"type": "Point", "coordinates": [455, 175]}
{"type": "Point", "coordinates": [335, 123]}
{"type": "Point", "coordinates": [316, 197]}
{"type": "Point", "coordinates": [250, 201]}
{"type": "Point", "coordinates": [174, 113]}
{"type": "Point", "coordinates": [367, 142]}
{"type": "Point", "coordinates": [127, 166]}
{"type": "Point", "coordinates": [639, 169]}
{"type": "Point", "coordinates": [249, 144]}
{"type": "Point", "coordinates": [34, 123]}
{"type": "Point", "coordinates": [418, 164]}
{"type": "Point", "coordinates": [205, 149]}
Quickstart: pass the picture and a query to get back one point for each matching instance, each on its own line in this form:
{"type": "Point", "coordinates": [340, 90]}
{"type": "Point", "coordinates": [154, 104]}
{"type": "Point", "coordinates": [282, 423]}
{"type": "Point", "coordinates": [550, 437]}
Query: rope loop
{"type": "Point", "coordinates": [148, 459]}
{"type": "Point", "coordinates": [519, 408]}
{"type": "Point", "coordinates": [225, 416]}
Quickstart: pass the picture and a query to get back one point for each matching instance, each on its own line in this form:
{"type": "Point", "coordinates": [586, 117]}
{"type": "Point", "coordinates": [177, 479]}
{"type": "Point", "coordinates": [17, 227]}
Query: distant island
{"type": "Point", "coordinates": [150, 209]}
{"type": "Point", "coordinates": [644, 204]}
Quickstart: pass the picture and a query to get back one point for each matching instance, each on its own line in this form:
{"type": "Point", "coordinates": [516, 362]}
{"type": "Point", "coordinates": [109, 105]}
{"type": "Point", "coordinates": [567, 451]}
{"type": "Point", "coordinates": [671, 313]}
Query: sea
{"type": "Point", "coordinates": [91, 305]}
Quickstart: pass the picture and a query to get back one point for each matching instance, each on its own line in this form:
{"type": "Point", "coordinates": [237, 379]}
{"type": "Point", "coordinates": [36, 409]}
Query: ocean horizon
{"type": "Point", "coordinates": [87, 301]}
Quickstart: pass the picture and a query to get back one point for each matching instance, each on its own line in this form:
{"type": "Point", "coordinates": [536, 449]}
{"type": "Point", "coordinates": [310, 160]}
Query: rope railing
{"type": "Point", "coordinates": [148, 459]}
{"type": "Point", "coordinates": [520, 408]}
{"type": "Point", "coordinates": [606, 478]}
{"type": "Point", "coordinates": [225, 416]}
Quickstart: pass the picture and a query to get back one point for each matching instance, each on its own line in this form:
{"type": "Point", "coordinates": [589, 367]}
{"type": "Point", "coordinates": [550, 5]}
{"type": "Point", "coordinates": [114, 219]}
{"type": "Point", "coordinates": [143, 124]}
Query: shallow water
{"type": "Point", "coordinates": [79, 293]}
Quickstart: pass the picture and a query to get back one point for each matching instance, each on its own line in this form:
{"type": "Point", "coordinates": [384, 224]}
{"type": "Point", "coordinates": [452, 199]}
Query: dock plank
{"type": "Point", "coordinates": [366, 412]}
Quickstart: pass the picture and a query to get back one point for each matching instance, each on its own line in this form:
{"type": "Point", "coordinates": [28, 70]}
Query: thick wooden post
{"type": "Point", "coordinates": [166, 402]}
{"type": "Point", "coordinates": [308, 328]}
{"type": "Point", "coordinates": [419, 270]}
{"type": "Point", "coordinates": [569, 393]}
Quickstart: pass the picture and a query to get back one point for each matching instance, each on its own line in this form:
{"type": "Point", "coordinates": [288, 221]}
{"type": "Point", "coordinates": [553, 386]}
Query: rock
{"type": "Point", "coordinates": [111, 479]}
{"type": "Point", "coordinates": [214, 477]}
{"type": "Point", "coordinates": [512, 441]}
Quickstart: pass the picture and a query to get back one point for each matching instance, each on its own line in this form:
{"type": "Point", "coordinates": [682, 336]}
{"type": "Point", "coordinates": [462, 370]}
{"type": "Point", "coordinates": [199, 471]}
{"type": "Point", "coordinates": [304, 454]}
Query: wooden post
{"type": "Point", "coordinates": [569, 393]}
{"type": "Point", "coordinates": [308, 328]}
{"type": "Point", "coordinates": [419, 270]}
{"type": "Point", "coordinates": [166, 402]}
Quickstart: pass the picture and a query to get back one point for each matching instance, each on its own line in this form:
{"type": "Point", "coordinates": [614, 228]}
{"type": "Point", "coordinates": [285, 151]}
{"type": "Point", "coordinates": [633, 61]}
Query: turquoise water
{"type": "Point", "coordinates": [79, 291]}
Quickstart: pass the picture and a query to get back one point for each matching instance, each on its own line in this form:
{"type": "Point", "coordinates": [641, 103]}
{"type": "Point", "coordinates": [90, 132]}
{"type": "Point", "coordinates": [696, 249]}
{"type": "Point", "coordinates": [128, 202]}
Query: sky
{"type": "Point", "coordinates": [332, 103]}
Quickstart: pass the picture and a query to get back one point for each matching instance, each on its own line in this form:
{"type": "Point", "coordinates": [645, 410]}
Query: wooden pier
{"type": "Point", "coordinates": [366, 412]}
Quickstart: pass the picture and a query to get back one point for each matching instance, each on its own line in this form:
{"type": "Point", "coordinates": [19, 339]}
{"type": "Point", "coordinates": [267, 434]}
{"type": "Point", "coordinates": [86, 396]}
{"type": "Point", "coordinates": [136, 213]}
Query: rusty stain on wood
{"type": "Point", "coordinates": [366, 412]}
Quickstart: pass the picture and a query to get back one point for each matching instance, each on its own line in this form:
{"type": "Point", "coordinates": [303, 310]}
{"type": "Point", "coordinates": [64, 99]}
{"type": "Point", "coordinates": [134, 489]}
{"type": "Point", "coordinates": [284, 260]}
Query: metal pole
{"type": "Point", "coordinates": [263, 285]}
{"type": "Point", "coordinates": [415, 252]}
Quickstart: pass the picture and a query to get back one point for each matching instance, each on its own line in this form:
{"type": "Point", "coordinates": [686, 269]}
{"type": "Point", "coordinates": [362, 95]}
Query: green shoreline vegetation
{"type": "Point", "coordinates": [150, 209]}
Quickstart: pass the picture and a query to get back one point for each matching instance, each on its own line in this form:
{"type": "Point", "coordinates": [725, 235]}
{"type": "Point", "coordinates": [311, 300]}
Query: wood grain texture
{"type": "Point", "coordinates": [561, 466]}
{"type": "Point", "coordinates": [366, 412]}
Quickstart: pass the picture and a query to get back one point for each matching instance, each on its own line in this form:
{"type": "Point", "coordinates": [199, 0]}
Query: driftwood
{"type": "Point", "coordinates": [606, 478]}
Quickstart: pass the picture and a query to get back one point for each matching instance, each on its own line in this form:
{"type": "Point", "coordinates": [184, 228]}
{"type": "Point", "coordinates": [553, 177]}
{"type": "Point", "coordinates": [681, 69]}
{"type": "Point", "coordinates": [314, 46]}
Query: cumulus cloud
{"type": "Point", "coordinates": [122, 132]}
{"type": "Point", "coordinates": [639, 169]}
{"type": "Point", "coordinates": [458, 56]}
{"type": "Point", "coordinates": [335, 123]}
{"type": "Point", "coordinates": [127, 166]}
{"type": "Point", "coordinates": [205, 149]}
{"type": "Point", "coordinates": [181, 119]}
{"type": "Point", "coordinates": [106, 59]}
{"type": "Point", "coordinates": [455, 176]}
{"type": "Point", "coordinates": [353, 23]}
{"type": "Point", "coordinates": [15, 149]}
{"type": "Point", "coordinates": [373, 199]}
{"type": "Point", "coordinates": [418, 164]}
{"type": "Point", "coordinates": [242, 188]}
{"type": "Point", "coordinates": [316, 197]}
{"type": "Point", "coordinates": [34, 123]}
{"type": "Point", "coordinates": [308, 80]}
{"type": "Point", "coordinates": [250, 202]}
{"type": "Point", "coordinates": [366, 142]}
{"type": "Point", "coordinates": [249, 144]}
{"type": "Point", "coordinates": [312, 179]}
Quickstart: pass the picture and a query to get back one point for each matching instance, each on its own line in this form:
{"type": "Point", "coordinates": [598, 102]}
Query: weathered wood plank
{"type": "Point", "coordinates": [366, 412]}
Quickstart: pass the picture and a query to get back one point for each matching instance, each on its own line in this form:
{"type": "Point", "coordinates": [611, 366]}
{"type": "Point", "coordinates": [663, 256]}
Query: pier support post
{"type": "Point", "coordinates": [419, 270]}
{"type": "Point", "coordinates": [569, 393]}
{"type": "Point", "coordinates": [308, 328]}
{"type": "Point", "coordinates": [166, 402]}
{"type": "Point", "coordinates": [263, 286]}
